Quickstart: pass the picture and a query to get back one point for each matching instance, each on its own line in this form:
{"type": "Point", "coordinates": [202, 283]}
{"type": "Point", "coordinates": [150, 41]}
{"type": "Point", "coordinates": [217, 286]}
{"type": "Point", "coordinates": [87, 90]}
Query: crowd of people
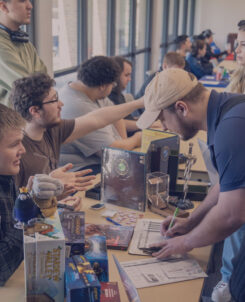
{"type": "Point", "coordinates": [62, 135]}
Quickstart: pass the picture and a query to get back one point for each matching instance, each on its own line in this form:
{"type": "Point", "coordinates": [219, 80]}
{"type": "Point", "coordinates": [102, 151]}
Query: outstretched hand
{"type": "Point", "coordinates": [73, 181]}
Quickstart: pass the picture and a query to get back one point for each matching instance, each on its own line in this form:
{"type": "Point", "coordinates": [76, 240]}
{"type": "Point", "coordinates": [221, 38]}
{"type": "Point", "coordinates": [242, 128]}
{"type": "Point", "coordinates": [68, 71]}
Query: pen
{"type": "Point", "coordinates": [112, 221]}
{"type": "Point", "coordinates": [172, 220]}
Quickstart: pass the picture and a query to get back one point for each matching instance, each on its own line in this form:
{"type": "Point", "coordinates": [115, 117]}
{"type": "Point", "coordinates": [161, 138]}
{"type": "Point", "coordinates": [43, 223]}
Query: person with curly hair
{"type": "Point", "coordinates": [35, 98]}
{"type": "Point", "coordinates": [96, 78]}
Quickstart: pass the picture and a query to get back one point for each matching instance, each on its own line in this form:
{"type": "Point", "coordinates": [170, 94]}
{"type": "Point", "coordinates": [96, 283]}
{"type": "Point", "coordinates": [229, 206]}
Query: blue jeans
{"type": "Point", "coordinates": [231, 248]}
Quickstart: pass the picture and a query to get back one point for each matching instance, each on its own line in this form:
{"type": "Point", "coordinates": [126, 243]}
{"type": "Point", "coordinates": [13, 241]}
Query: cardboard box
{"type": "Point", "coordinates": [109, 292]}
{"type": "Point", "coordinates": [81, 281]}
{"type": "Point", "coordinates": [96, 254]}
{"type": "Point", "coordinates": [73, 224]}
{"type": "Point", "coordinates": [44, 255]}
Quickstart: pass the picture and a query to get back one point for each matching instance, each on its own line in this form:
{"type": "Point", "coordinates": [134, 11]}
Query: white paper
{"type": "Point", "coordinates": [142, 234]}
{"type": "Point", "coordinates": [152, 272]}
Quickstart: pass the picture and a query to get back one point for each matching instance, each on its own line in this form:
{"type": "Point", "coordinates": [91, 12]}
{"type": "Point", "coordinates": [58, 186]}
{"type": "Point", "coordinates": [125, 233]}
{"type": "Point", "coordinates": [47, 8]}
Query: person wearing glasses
{"type": "Point", "coordinates": [35, 98]}
{"type": "Point", "coordinates": [18, 57]}
{"type": "Point", "coordinates": [96, 78]}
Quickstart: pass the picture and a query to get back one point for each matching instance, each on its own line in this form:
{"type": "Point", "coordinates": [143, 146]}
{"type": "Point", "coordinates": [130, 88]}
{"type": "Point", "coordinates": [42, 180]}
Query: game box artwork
{"type": "Point", "coordinates": [117, 237]}
{"type": "Point", "coordinates": [73, 228]}
{"type": "Point", "coordinates": [96, 254]}
{"type": "Point", "coordinates": [123, 178]}
{"type": "Point", "coordinates": [44, 255]}
{"type": "Point", "coordinates": [81, 281]}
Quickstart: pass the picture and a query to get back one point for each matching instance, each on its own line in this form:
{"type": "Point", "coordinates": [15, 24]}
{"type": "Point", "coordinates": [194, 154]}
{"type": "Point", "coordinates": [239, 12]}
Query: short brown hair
{"type": "Point", "coordinates": [30, 91]}
{"type": "Point", "coordinates": [174, 59]}
{"type": "Point", "coordinates": [9, 119]}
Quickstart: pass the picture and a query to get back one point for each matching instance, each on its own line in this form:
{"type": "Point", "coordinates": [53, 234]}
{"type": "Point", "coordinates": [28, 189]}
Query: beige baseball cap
{"type": "Point", "coordinates": [167, 87]}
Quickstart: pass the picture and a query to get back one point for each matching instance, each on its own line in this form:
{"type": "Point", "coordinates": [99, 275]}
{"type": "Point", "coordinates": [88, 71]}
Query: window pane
{"type": "Point", "coordinates": [139, 71]}
{"type": "Point", "coordinates": [140, 24]}
{"type": "Point", "coordinates": [189, 17]}
{"type": "Point", "coordinates": [181, 11]}
{"type": "Point", "coordinates": [171, 21]}
{"type": "Point", "coordinates": [122, 27]}
{"type": "Point", "coordinates": [64, 30]}
{"type": "Point", "coordinates": [97, 22]}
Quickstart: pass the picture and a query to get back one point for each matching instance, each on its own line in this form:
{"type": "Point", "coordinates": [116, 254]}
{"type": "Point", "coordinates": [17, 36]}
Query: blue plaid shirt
{"type": "Point", "coordinates": [11, 239]}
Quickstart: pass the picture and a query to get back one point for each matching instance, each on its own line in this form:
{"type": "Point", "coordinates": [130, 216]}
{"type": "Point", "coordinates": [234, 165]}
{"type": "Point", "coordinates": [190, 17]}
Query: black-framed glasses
{"type": "Point", "coordinates": [53, 101]}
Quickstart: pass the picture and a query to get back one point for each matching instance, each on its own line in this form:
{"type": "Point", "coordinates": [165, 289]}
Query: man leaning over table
{"type": "Point", "coordinates": [184, 106]}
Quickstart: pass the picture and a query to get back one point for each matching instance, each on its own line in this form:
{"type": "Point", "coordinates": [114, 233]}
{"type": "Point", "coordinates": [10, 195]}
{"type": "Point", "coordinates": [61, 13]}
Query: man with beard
{"type": "Point", "coordinates": [35, 98]}
{"type": "Point", "coordinates": [184, 106]}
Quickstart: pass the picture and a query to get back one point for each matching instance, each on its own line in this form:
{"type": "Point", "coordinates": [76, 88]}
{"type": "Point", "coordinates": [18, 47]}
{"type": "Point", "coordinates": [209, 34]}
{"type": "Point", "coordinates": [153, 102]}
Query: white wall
{"type": "Point", "coordinates": [221, 16]}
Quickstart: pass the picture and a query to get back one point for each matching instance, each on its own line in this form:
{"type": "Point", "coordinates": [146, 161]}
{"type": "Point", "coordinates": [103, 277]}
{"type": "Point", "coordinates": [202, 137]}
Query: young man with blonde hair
{"type": "Point", "coordinates": [11, 150]}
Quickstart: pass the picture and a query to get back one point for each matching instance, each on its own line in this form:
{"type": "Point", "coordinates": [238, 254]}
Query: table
{"type": "Point", "coordinates": [189, 291]}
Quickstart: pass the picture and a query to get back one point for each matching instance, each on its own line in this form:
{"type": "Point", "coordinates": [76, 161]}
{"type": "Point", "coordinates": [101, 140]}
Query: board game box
{"type": "Point", "coordinates": [96, 254]}
{"type": "Point", "coordinates": [73, 228]}
{"type": "Point", "coordinates": [123, 178]}
{"type": "Point", "coordinates": [109, 292]}
{"type": "Point", "coordinates": [81, 281]}
{"type": "Point", "coordinates": [117, 237]}
{"type": "Point", "coordinates": [44, 257]}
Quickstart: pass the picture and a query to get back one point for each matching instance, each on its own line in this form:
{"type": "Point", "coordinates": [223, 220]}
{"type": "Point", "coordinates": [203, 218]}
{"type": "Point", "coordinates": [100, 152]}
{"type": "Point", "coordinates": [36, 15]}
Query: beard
{"type": "Point", "coordinates": [47, 122]}
{"type": "Point", "coordinates": [188, 131]}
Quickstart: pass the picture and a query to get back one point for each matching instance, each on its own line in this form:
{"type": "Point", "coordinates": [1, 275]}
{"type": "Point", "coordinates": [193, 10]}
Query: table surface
{"type": "Point", "coordinates": [14, 290]}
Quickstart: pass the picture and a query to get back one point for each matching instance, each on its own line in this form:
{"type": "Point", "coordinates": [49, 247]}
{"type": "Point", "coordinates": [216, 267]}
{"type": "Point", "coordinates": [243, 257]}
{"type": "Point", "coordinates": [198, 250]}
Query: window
{"type": "Point", "coordinates": [122, 27]}
{"type": "Point", "coordinates": [97, 25]}
{"type": "Point", "coordinates": [64, 31]}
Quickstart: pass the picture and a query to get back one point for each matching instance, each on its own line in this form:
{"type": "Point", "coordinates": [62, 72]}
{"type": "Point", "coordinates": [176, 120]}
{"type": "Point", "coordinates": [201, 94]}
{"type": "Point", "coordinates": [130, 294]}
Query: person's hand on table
{"type": "Point", "coordinates": [74, 201]}
{"type": "Point", "coordinates": [181, 226]}
{"type": "Point", "coordinates": [73, 181]}
{"type": "Point", "coordinates": [171, 246]}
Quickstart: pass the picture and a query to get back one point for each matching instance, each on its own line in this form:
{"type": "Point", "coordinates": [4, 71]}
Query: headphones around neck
{"type": "Point", "coordinates": [16, 36]}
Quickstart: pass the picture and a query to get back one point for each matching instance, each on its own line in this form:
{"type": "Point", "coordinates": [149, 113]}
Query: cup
{"type": "Point", "coordinates": [157, 189]}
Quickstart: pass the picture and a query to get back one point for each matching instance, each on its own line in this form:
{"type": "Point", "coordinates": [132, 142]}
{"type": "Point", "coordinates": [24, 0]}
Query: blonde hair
{"type": "Point", "coordinates": [237, 84]}
{"type": "Point", "coordinates": [9, 120]}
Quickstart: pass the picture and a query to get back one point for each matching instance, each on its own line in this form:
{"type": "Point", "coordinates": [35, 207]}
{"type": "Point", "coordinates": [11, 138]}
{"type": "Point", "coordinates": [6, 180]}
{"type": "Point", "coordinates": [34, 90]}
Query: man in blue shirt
{"type": "Point", "coordinates": [184, 106]}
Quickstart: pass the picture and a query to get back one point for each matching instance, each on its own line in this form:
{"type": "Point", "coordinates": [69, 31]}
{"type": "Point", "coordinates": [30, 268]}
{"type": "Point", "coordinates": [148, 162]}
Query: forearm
{"type": "Point", "coordinates": [126, 144]}
{"type": "Point", "coordinates": [102, 117]}
{"type": "Point", "coordinates": [131, 125]}
{"type": "Point", "coordinates": [210, 201]}
{"type": "Point", "coordinates": [121, 128]}
{"type": "Point", "coordinates": [221, 221]}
